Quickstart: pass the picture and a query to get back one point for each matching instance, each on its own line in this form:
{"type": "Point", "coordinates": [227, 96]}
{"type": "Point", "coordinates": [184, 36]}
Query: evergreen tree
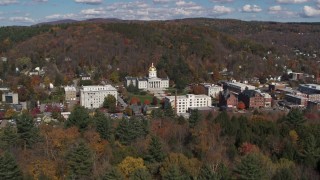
{"type": "Point", "coordinates": [140, 174]}
{"type": "Point", "coordinates": [295, 118]}
{"type": "Point", "coordinates": [103, 125]}
{"type": "Point", "coordinates": [130, 129]}
{"type": "Point", "coordinates": [284, 173]}
{"type": "Point", "coordinates": [155, 150]}
{"type": "Point", "coordinates": [113, 174]}
{"type": "Point", "coordinates": [174, 173]}
{"type": "Point", "coordinates": [194, 118]}
{"type": "Point", "coordinates": [26, 129]}
{"type": "Point", "coordinates": [244, 132]}
{"type": "Point", "coordinates": [79, 162]}
{"type": "Point", "coordinates": [79, 117]}
{"type": "Point", "coordinates": [8, 137]}
{"type": "Point", "coordinates": [168, 110]}
{"type": "Point", "coordinates": [250, 167]}
{"type": "Point", "coordinates": [206, 172]}
{"type": "Point", "coordinates": [9, 168]}
{"type": "Point", "coordinates": [311, 151]}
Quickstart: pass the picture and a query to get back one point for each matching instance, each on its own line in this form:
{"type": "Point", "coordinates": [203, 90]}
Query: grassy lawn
{"type": "Point", "coordinates": [173, 91]}
{"type": "Point", "coordinates": [142, 97]}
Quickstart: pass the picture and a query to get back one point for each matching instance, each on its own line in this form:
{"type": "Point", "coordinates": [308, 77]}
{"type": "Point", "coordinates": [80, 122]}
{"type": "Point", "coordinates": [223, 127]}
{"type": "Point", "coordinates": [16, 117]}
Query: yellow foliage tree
{"type": "Point", "coordinates": [9, 113]}
{"type": "Point", "coordinates": [294, 136]}
{"type": "Point", "coordinates": [43, 167]}
{"type": "Point", "coordinates": [131, 164]}
{"type": "Point", "coordinates": [190, 166]}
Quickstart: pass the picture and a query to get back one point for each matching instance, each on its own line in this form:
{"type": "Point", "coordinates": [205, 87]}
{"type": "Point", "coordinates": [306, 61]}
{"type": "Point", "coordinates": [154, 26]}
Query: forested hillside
{"type": "Point", "coordinates": [207, 146]}
{"type": "Point", "coordinates": [190, 47]}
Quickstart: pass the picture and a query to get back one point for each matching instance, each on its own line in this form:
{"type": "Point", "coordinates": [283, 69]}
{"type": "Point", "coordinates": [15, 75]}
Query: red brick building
{"type": "Point", "coordinates": [252, 99]}
{"type": "Point", "coordinates": [228, 99]}
{"type": "Point", "coordinates": [314, 105]}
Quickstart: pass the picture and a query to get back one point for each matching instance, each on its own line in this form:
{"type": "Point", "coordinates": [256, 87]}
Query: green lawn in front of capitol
{"type": "Point", "coordinates": [142, 96]}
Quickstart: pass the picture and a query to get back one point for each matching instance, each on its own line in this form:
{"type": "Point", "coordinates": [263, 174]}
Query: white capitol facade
{"type": "Point", "coordinates": [150, 82]}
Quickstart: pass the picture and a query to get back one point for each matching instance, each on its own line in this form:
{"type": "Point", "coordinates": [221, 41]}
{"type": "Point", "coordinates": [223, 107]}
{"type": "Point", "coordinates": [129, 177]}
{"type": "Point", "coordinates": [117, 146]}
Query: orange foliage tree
{"type": "Point", "coordinates": [134, 100]}
{"type": "Point", "coordinates": [241, 105]}
{"type": "Point", "coordinates": [146, 102]}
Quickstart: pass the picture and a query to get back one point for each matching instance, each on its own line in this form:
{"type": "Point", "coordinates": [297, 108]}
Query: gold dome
{"type": "Point", "coordinates": [152, 68]}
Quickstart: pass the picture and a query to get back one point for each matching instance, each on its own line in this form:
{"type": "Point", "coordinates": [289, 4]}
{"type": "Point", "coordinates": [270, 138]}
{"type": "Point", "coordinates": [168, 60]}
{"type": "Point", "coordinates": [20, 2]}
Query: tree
{"type": "Point", "coordinates": [217, 172]}
{"type": "Point", "coordinates": [131, 164]}
{"type": "Point", "coordinates": [113, 174]}
{"type": "Point", "coordinates": [168, 110]}
{"type": "Point", "coordinates": [207, 172]}
{"type": "Point", "coordinates": [110, 103]}
{"type": "Point", "coordinates": [155, 150]}
{"type": "Point", "coordinates": [26, 129]}
{"type": "Point", "coordinates": [198, 89]}
{"type": "Point", "coordinates": [79, 117]}
{"type": "Point", "coordinates": [250, 167]}
{"type": "Point", "coordinates": [9, 113]}
{"type": "Point", "coordinates": [241, 105]}
{"type": "Point", "coordinates": [129, 130]}
{"type": "Point", "coordinates": [9, 136]}
{"type": "Point", "coordinates": [58, 79]}
{"type": "Point", "coordinates": [140, 174]}
{"type": "Point", "coordinates": [154, 101]}
{"type": "Point", "coordinates": [295, 118]}
{"type": "Point", "coordinates": [182, 165]}
{"type": "Point", "coordinates": [311, 151]}
{"type": "Point", "coordinates": [194, 118]}
{"type": "Point", "coordinates": [284, 173]}
{"type": "Point", "coordinates": [132, 88]}
{"type": "Point", "coordinates": [79, 162]}
{"type": "Point", "coordinates": [134, 100]}
{"type": "Point", "coordinates": [146, 102]}
{"type": "Point", "coordinates": [114, 77]}
{"type": "Point", "coordinates": [174, 173]}
{"type": "Point", "coordinates": [9, 168]}
{"type": "Point", "coordinates": [103, 125]}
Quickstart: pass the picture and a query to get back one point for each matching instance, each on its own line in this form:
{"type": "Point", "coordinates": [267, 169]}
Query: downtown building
{"type": "Point", "coordinates": [92, 97]}
{"type": "Point", "coordinates": [181, 104]}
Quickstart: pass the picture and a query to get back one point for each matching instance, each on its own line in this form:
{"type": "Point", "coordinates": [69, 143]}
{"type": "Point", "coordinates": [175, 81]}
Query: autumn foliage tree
{"type": "Point", "coordinates": [241, 105]}
{"type": "Point", "coordinates": [131, 164]}
{"type": "Point", "coordinates": [146, 102]}
{"type": "Point", "coordinates": [134, 100]}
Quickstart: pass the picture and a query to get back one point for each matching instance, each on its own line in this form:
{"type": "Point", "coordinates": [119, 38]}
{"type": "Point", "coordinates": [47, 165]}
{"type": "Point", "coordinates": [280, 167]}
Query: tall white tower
{"type": "Point", "coordinates": [152, 71]}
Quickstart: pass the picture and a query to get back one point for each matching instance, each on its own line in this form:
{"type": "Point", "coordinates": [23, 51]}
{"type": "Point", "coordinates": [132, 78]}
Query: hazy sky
{"type": "Point", "coordinates": [28, 12]}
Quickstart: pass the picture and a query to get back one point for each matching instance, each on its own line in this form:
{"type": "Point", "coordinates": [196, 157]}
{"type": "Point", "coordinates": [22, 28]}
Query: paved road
{"type": "Point", "coordinates": [121, 101]}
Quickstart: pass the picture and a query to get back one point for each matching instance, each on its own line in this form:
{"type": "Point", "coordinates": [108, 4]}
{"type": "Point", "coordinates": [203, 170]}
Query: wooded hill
{"type": "Point", "coordinates": [185, 50]}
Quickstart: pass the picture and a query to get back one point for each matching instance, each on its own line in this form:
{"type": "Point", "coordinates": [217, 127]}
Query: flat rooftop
{"type": "Point", "coordinates": [98, 88]}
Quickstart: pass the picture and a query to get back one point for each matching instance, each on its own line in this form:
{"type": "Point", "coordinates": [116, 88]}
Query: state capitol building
{"type": "Point", "coordinates": [152, 82]}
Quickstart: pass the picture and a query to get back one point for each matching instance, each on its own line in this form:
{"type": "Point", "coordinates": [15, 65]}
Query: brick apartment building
{"type": "Point", "coordinates": [252, 99]}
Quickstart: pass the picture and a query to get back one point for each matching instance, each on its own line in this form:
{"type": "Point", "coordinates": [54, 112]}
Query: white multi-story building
{"type": "Point", "coordinates": [150, 82]}
{"type": "Point", "coordinates": [93, 96]}
{"type": "Point", "coordinates": [212, 90]}
{"type": "Point", "coordinates": [188, 101]}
